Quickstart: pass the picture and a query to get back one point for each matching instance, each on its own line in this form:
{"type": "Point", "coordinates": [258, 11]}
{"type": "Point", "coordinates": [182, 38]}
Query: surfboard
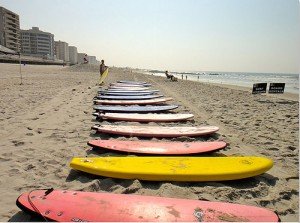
{"type": "Point", "coordinates": [79, 206]}
{"type": "Point", "coordinates": [133, 102]}
{"type": "Point", "coordinates": [126, 97]}
{"type": "Point", "coordinates": [174, 168]}
{"type": "Point", "coordinates": [129, 88]}
{"type": "Point", "coordinates": [130, 85]}
{"type": "Point", "coordinates": [156, 131]}
{"type": "Point", "coordinates": [125, 90]}
{"type": "Point", "coordinates": [103, 76]}
{"type": "Point", "coordinates": [122, 91]}
{"type": "Point", "coordinates": [146, 117]}
{"type": "Point", "coordinates": [133, 82]}
{"type": "Point", "coordinates": [160, 148]}
{"type": "Point", "coordinates": [126, 93]}
{"type": "Point", "coordinates": [134, 108]}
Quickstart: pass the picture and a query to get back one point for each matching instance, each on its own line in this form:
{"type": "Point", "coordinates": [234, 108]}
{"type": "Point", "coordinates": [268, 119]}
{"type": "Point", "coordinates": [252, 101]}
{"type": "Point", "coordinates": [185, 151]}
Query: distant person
{"type": "Point", "coordinates": [85, 60]}
{"type": "Point", "coordinates": [170, 76]}
{"type": "Point", "coordinates": [102, 69]}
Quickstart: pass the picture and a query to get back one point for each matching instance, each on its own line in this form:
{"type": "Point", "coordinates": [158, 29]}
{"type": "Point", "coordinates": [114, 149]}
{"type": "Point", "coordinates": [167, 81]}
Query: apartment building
{"type": "Point", "coordinates": [35, 42]}
{"type": "Point", "coordinates": [62, 51]}
{"type": "Point", "coordinates": [73, 55]}
{"type": "Point", "coordinates": [9, 29]}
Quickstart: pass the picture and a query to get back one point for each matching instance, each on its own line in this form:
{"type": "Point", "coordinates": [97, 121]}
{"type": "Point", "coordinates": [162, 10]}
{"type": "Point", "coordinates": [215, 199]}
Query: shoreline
{"type": "Point", "coordinates": [285, 95]}
{"type": "Point", "coordinates": [47, 120]}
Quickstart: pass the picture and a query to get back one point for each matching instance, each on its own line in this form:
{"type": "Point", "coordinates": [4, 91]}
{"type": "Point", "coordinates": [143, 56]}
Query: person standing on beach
{"type": "Point", "coordinates": [103, 68]}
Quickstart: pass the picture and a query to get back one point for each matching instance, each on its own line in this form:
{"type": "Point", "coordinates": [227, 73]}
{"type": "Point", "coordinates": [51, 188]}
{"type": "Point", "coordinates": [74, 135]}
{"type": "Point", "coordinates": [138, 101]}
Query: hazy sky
{"type": "Point", "coordinates": [182, 35]}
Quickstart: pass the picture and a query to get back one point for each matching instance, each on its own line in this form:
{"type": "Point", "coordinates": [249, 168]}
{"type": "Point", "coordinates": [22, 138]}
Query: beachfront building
{"type": "Point", "coordinates": [73, 55]}
{"type": "Point", "coordinates": [35, 42]}
{"type": "Point", "coordinates": [9, 29]}
{"type": "Point", "coordinates": [62, 51]}
{"type": "Point", "coordinates": [81, 57]}
{"type": "Point", "coordinates": [92, 60]}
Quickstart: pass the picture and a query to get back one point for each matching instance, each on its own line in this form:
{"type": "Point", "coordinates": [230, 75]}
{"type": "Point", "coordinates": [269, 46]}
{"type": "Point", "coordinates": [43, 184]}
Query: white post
{"type": "Point", "coordinates": [20, 68]}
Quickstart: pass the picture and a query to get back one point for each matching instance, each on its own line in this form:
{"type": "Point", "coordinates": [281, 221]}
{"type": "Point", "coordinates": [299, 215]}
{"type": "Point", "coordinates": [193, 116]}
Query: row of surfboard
{"type": "Point", "coordinates": [136, 102]}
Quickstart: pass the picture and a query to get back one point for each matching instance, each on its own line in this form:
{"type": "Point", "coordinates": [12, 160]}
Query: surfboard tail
{"type": "Point", "coordinates": [103, 76]}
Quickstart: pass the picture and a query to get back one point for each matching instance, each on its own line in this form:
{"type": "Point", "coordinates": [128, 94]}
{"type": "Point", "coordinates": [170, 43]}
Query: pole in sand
{"type": "Point", "coordinates": [20, 68]}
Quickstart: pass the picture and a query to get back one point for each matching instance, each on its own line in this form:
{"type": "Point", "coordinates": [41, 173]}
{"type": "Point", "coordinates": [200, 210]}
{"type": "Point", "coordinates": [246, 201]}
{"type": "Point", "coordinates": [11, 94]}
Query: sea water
{"type": "Point", "coordinates": [239, 79]}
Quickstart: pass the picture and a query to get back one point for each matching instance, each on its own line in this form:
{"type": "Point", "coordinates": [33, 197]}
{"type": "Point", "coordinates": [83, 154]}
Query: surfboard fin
{"type": "Point", "coordinates": [48, 191]}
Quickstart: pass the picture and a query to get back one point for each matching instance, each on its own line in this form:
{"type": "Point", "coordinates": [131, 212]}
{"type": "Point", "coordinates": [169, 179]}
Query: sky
{"type": "Point", "coordinates": [176, 35]}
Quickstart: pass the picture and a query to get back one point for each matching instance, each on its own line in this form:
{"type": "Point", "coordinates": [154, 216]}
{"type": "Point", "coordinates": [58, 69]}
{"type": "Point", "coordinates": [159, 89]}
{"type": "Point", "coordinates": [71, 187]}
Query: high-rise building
{"type": "Point", "coordinates": [73, 55]}
{"type": "Point", "coordinates": [62, 50]}
{"type": "Point", "coordinates": [9, 29]}
{"type": "Point", "coordinates": [35, 42]}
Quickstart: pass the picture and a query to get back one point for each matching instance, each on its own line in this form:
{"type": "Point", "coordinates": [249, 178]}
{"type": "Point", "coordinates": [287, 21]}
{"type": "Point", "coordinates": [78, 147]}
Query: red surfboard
{"type": "Point", "coordinates": [161, 148]}
{"type": "Point", "coordinates": [77, 206]}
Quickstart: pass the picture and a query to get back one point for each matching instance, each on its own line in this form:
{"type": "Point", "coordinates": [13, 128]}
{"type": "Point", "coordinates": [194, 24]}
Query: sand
{"type": "Point", "coordinates": [47, 120]}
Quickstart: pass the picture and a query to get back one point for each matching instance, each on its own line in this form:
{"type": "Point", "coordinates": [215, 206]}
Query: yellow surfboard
{"type": "Point", "coordinates": [103, 76]}
{"type": "Point", "coordinates": [174, 168]}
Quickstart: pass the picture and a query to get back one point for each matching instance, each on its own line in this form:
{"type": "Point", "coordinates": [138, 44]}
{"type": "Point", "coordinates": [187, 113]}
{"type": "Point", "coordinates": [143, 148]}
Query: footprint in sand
{"type": "Point", "coordinates": [273, 149]}
{"type": "Point", "coordinates": [17, 143]}
{"type": "Point", "coordinates": [54, 162]}
{"type": "Point", "coordinates": [29, 167]}
{"type": "Point", "coordinates": [286, 195]}
{"type": "Point", "coordinates": [2, 159]}
{"type": "Point", "coordinates": [13, 171]}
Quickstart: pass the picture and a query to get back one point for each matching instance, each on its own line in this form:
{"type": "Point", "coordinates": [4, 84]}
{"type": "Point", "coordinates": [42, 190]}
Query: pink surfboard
{"type": "Point", "coordinates": [156, 131]}
{"type": "Point", "coordinates": [133, 102]}
{"type": "Point", "coordinates": [161, 148]}
{"type": "Point", "coordinates": [78, 206]}
{"type": "Point", "coordinates": [148, 117]}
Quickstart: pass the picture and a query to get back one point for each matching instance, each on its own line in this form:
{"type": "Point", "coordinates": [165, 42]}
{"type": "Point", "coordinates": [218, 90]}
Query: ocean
{"type": "Point", "coordinates": [237, 78]}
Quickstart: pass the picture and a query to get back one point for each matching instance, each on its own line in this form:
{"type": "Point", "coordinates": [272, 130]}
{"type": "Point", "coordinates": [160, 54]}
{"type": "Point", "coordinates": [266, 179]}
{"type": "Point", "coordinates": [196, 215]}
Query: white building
{"type": "Point", "coordinates": [73, 55]}
{"type": "Point", "coordinates": [62, 51]}
{"type": "Point", "coordinates": [92, 60]}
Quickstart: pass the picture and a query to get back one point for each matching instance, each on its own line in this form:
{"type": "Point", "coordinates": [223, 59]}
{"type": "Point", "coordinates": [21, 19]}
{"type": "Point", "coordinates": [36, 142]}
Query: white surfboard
{"type": "Point", "coordinates": [146, 117]}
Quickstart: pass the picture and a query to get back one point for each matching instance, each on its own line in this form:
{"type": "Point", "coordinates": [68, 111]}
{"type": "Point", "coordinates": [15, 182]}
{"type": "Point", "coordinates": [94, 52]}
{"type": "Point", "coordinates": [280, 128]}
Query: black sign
{"type": "Point", "coordinates": [259, 88]}
{"type": "Point", "coordinates": [276, 88]}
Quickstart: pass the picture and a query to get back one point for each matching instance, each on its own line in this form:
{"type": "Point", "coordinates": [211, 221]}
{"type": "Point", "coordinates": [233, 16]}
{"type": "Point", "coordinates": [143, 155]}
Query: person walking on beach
{"type": "Point", "coordinates": [103, 68]}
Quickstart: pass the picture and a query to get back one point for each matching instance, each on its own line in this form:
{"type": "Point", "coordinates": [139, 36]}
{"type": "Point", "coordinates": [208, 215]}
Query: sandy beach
{"type": "Point", "coordinates": [47, 121]}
